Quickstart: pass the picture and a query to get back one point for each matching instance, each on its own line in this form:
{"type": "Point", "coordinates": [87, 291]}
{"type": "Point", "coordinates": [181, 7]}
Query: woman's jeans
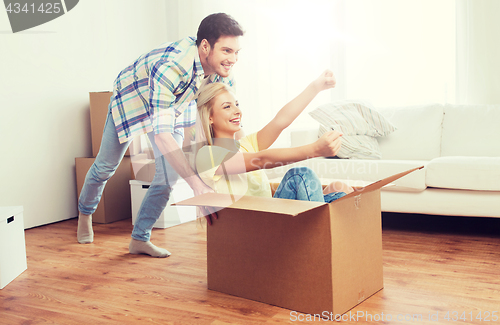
{"type": "Point", "coordinates": [301, 183]}
{"type": "Point", "coordinates": [109, 157]}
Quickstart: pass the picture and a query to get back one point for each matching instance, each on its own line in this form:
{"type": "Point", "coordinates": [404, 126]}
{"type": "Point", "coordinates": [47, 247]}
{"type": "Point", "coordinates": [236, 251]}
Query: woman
{"type": "Point", "coordinates": [236, 167]}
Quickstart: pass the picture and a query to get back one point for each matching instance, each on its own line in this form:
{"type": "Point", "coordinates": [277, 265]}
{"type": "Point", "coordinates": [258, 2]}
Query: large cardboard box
{"type": "Point", "coordinates": [115, 200]}
{"type": "Point", "coordinates": [12, 244]}
{"type": "Point", "coordinates": [171, 215]}
{"type": "Point", "coordinates": [309, 257]}
{"type": "Point", "coordinates": [99, 102]}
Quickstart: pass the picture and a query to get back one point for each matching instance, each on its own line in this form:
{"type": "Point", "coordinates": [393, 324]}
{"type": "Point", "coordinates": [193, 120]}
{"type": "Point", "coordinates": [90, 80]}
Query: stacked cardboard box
{"type": "Point", "coordinates": [137, 166]}
{"type": "Point", "coordinates": [115, 201]}
{"type": "Point", "coordinates": [143, 165]}
{"type": "Point", "coordinates": [99, 102]}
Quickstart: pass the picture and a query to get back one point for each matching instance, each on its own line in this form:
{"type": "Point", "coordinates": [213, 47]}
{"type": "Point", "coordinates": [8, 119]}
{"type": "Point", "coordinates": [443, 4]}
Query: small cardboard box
{"type": "Point", "coordinates": [309, 257]}
{"type": "Point", "coordinates": [99, 102]}
{"type": "Point", "coordinates": [171, 215]}
{"type": "Point", "coordinates": [12, 244]}
{"type": "Point", "coordinates": [115, 200]}
{"type": "Point", "coordinates": [143, 169]}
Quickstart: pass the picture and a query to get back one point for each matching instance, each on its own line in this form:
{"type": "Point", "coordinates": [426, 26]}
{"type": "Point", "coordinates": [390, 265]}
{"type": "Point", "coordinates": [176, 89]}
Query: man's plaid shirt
{"type": "Point", "coordinates": [155, 93]}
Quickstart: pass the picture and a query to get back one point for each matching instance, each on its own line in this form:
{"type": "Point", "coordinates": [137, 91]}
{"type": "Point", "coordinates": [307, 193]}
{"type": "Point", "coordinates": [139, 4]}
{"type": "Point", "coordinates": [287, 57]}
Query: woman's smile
{"type": "Point", "coordinates": [225, 116]}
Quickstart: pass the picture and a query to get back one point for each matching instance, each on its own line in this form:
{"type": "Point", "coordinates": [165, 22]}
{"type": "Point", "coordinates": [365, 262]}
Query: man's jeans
{"type": "Point", "coordinates": [301, 183]}
{"type": "Point", "coordinates": [158, 193]}
{"type": "Point", "coordinates": [109, 157]}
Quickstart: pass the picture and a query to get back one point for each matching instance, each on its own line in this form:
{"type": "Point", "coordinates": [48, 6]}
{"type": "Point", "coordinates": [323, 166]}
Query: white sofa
{"type": "Point", "coordinates": [458, 145]}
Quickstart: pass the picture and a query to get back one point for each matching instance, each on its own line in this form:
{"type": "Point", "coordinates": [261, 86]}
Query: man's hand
{"type": "Point", "coordinates": [208, 212]}
{"type": "Point", "coordinates": [174, 155]}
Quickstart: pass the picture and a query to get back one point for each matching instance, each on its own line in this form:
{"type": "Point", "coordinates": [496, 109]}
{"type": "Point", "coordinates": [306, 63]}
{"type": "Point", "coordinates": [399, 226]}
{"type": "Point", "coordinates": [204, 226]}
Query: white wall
{"type": "Point", "coordinates": [478, 50]}
{"type": "Point", "coordinates": [287, 44]}
{"type": "Point", "coordinates": [400, 52]}
{"type": "Point", "coordinates": [46, 75]}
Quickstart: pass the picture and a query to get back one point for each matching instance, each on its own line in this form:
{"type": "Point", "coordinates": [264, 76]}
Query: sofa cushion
{"type": "Point", "coordinates": [366, 170]}
{"type": "Point", "coordinates": [467, 173]}
{"type": "Point", "coordinates": [443, 201]}
{"type": "Point", "coordinates": [418, 134]}
{"type": "Point", "coordinates": [471, 130]}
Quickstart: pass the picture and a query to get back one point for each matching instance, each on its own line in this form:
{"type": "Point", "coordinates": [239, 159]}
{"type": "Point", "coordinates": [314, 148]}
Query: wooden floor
{"type": "Point", "coordinates": [427, 273]}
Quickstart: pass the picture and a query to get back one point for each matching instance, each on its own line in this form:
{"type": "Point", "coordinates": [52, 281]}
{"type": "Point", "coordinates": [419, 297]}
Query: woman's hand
{"type": "Point", "coordinates": [328, 145]}
{"type": "Point", "coordinates": [325, 81]}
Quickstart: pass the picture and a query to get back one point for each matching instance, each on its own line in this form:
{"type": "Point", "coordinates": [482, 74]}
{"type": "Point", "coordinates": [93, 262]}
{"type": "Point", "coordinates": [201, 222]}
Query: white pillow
{"type": "Point", "coordinates": [359, 123]}
{"type": "Point", "coordinates": [353, 118]}
{"type": "Point", "coordinates": [356, 146]}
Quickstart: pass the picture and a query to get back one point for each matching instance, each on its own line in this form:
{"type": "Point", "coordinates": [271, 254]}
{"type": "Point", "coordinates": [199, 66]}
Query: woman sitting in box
{"type": "Point", "coordinates": [235, 167]}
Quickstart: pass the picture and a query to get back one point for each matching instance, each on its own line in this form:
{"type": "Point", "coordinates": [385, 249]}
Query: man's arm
{"type": "Point", "coordinates": [163, 80]}
{"type": "Point", "coordinates": [176, 158]}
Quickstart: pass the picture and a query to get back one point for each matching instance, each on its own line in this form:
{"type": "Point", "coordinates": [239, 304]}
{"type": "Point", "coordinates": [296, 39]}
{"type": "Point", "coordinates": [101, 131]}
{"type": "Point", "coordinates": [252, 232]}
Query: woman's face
{"type": "Point", "coordinates": [226, 116]}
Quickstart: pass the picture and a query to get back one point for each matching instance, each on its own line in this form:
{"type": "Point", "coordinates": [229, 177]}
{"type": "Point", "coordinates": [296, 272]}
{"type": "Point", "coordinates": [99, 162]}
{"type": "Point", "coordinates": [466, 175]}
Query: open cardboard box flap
{"type": "Point", "coordinates": [379, 184]}
{"type": "Point", "coordinates": [252, 203]}
{"type": "Point", "coordinates": [279, 206]}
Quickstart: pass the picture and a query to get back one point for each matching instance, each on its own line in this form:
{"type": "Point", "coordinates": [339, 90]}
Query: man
{"type": "Point", "coordinates": [154, 95]}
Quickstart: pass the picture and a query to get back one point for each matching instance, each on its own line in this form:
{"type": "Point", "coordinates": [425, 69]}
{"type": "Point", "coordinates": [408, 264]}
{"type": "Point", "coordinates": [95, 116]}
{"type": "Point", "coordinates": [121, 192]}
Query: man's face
{"type": "Point", "coordinates": [222, 56]}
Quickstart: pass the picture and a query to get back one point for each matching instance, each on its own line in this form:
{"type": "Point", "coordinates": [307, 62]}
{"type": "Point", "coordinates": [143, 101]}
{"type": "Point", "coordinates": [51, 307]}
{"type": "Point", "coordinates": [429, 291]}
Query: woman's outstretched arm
{"type": "Point", "coordinates": [292, 110]}
{"type": "Point", "coordinates": [237, 163]}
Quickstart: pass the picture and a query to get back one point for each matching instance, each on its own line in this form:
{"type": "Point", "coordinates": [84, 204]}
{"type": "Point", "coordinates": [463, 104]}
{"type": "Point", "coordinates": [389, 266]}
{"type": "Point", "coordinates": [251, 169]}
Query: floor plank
{"type": "Point", "coordinates": [427, 273]}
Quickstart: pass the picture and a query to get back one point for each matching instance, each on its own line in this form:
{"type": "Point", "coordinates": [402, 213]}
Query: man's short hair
{"type": "Point", "coordinates": [216, 25]}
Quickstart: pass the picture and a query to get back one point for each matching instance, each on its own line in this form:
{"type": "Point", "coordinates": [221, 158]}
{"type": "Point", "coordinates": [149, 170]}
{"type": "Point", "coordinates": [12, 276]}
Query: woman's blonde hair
{"type": "Point", "coordinates": [206, 95]}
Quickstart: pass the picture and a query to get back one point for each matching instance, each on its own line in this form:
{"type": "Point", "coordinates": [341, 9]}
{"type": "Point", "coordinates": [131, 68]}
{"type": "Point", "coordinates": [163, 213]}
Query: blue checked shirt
{"type": "Point", "coordinates": [156, 92]}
